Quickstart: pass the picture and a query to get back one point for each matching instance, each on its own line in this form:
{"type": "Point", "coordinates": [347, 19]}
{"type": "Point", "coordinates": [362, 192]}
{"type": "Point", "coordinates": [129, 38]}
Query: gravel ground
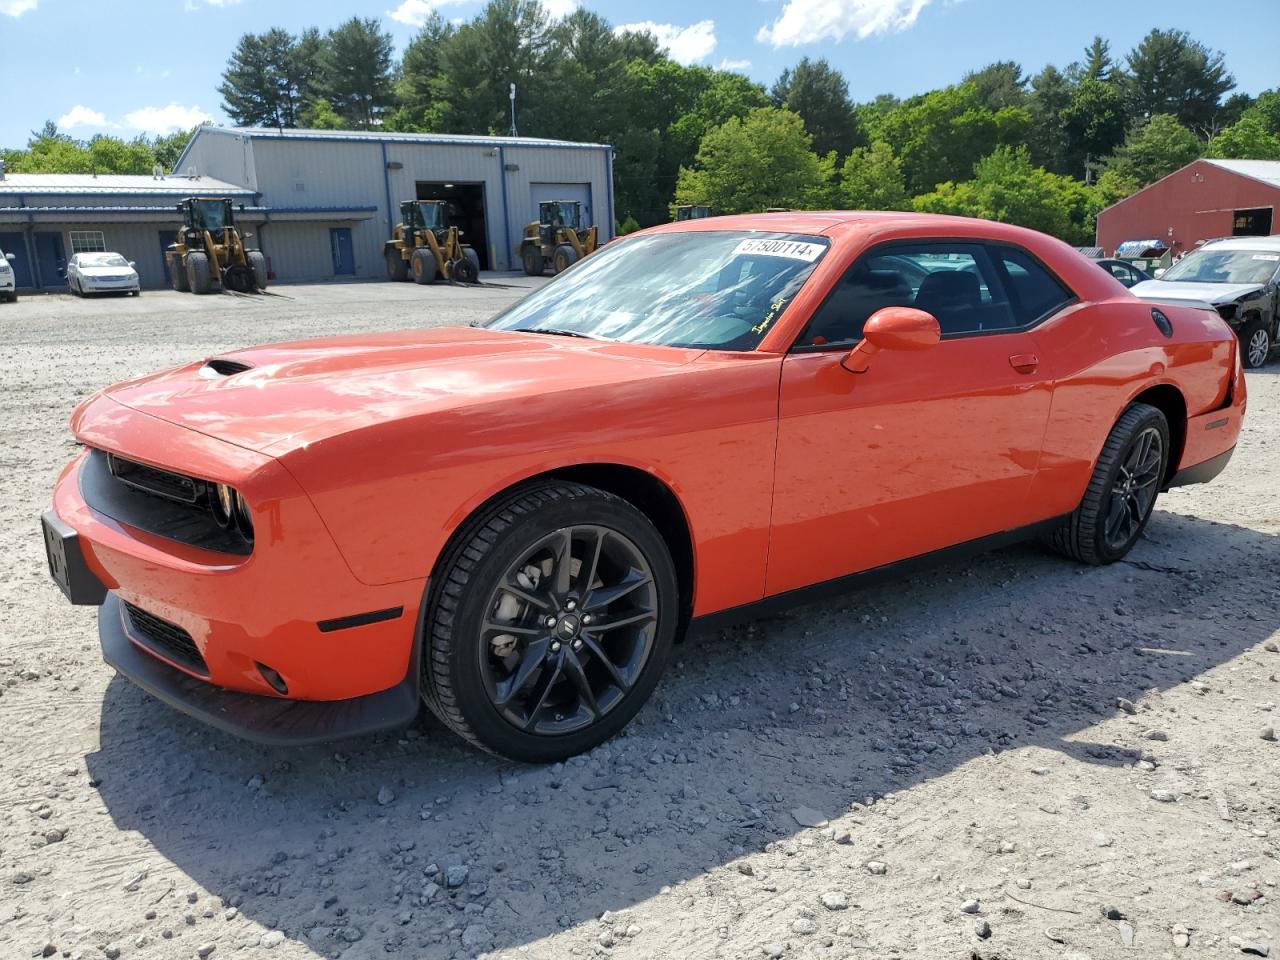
{"type": "Point", "coordinates": [1015, 757]}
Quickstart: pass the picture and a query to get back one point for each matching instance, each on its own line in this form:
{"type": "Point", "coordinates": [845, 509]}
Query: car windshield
{"type": "Point", "coordinates": [1224, 266]}
{"type": "Point", "coordinates": [102, 260]}
{"type": "Point", "coordinates": [713, 290]}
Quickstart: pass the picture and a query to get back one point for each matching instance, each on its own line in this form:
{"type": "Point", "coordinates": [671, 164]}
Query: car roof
{"type": "Point", "coordinates": [1244, 243]}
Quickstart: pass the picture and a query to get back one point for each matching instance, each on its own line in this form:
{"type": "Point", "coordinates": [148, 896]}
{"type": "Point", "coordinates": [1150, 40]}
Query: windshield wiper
{"type": "Point", "coordinates": [560, 332]}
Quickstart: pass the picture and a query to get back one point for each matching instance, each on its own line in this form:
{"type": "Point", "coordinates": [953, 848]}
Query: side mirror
{"type": "Point", "coordinates": [10, 257]}
{"type": "Point", "coordinates": [1159, 272]}
{"type": "Point", "coordinates": [133, 264]}
{"type": "Point", "coordinates": [893, 328]}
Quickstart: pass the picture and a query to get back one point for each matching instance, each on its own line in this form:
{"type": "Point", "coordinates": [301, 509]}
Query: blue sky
{"type": "Point", "coordinates": [147, 66]}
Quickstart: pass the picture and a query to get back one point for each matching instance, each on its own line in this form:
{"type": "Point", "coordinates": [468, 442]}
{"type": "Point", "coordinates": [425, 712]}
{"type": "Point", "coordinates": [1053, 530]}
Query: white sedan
{"type": "Point", "coordinates": [102, 273]}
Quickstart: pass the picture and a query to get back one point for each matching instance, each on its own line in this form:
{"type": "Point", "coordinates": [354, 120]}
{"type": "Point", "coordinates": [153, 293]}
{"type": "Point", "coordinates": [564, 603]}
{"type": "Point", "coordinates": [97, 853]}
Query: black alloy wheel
{"type": "Point", "coordinates": [1133, 492]}
{"type": "Point", "coordinates": [1122, 492]}
{"type": "Point", "coordinates": [554, 616]}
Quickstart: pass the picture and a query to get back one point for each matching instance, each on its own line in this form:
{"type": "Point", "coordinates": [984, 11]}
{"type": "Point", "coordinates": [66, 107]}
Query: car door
{"type": "Point", "coordinates": [926, 449]}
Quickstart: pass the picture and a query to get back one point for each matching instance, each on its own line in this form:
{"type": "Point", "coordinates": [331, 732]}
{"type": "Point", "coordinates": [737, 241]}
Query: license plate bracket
{"type": "Point", "coordinates": [67, 565]}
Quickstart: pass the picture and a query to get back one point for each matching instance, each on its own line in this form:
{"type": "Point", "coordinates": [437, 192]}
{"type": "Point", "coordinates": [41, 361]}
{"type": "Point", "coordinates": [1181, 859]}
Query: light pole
{"type": "Point", "coordinates": [513, 110]}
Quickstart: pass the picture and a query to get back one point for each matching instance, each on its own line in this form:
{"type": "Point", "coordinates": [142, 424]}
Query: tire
{"type": "Point", "coordinates": [531, 258]}
{"type": "Point", "coordinates": [198, 278]}
{"type": "Point", "coordinates": [565, 257]}
{"type": "Point", "coordinates": [397, 269]}
{"type": "Point", "coordinates": [472, 258]}
{"type": "Point", "coordinates": [464, 270]}
{"type": "Point", "coordinates": [1086, 534]}
{"type": "Point", "coordinates": [1255, 344]}
{"type": "Point", "coordinates": [75, 290]}
{"type": "Point", "coordinates": [178, 275]}
{"type": "Point", "coordinates": [13, 296]}
{"type": "Point", "coordinates": [258, 265]}
{"type": "Point", "coordinates": [460, 658]}
{"type": "Point", "coordinates": [423, 266]}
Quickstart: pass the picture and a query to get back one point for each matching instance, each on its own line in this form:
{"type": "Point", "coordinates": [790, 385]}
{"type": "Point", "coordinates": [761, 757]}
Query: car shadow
{"type": "Point", "coordinates": [829, 706]}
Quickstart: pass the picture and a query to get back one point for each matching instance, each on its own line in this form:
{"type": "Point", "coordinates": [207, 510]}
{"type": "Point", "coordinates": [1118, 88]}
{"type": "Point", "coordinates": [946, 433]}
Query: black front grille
{"type": "Point", "coordinates": [173, 486]}
{"type": "Point", "coordinates": [165, 638]}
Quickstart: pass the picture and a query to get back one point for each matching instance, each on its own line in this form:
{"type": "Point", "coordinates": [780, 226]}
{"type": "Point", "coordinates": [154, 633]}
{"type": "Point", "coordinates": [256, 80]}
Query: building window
{"type": "Point", "coordinates": [87, 241]}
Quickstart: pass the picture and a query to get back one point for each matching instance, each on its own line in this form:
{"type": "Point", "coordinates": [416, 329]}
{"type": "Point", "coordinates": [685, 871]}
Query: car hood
{"type": "Point", "coordinates": [1206, 292]}
{"type": "Point", "coordinates": [273, 398]}
{"type": "Point", "coordinates": [125, 270]}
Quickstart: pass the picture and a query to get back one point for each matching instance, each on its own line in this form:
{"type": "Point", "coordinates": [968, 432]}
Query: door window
{"type": "Point", "coordinates": [954, 281]}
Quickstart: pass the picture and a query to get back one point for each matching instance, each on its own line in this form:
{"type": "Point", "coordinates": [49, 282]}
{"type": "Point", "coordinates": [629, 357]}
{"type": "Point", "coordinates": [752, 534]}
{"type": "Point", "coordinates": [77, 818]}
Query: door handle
{"type": "Point", "coordinates": [1024, 362]}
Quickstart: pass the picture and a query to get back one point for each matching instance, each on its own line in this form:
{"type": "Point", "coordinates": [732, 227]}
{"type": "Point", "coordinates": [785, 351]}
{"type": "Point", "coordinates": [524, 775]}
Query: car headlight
{"type": "Point", "coordinates": [244, 520]}
{"type": "Point", "coordinates": [230, 509]}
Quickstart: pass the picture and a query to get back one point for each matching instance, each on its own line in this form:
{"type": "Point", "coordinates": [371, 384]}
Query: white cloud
{"type": "Point", "coordinates": [16, 8]}
{"type": "Point", "coordinates": [165, 119]}
{"type": "Point", "coordinates": [807, 21]}
{"type": "Point", "coordinates": [560, 8]}
{"type": "Point", "coordinates": [81, 116]}
{"type": "Point", "coordinates": [735, 65]}
{"type": "Point", "coordinates": [684, 44]}
{"type": "Point", "coordinates": [415, 13]}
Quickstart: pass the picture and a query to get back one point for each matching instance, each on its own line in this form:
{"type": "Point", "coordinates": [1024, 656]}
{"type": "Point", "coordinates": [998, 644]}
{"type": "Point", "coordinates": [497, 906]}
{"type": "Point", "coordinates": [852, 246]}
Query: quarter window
{"type": "Point", "coordinates": [87, 241]}
{"type": "Point", "coordinates": [1035, 292]}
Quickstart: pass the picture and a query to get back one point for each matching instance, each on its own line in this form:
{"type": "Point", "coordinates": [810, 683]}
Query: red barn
{"type": "Point", "coordinates": [1204, 200]}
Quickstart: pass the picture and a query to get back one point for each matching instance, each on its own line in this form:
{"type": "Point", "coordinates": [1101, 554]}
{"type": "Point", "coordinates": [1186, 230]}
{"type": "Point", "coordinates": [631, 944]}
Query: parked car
{"type": "Point", "coordinates": [1125, 272]}
{"type": "Point", "coordinates": [1240, 278]}
{"type": "Point", "coordinates": [515, 522]}
{"type": "Point", "coordinates": [8, 281]}
{"type": "Point", "coordinates": [102, 273]}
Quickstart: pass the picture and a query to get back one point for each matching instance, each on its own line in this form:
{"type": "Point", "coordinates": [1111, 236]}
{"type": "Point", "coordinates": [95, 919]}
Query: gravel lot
{"type": "Point", "coordinates": [1014, 758]}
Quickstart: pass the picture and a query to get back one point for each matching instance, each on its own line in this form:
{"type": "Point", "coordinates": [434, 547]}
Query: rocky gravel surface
{"type": "Point", "coordinates": [1011, 758]}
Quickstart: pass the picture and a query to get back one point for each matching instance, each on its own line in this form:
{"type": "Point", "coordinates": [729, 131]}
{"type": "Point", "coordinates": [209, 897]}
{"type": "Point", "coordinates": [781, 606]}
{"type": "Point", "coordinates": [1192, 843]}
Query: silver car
{"type": "Point", "coordinates": [102, 273]}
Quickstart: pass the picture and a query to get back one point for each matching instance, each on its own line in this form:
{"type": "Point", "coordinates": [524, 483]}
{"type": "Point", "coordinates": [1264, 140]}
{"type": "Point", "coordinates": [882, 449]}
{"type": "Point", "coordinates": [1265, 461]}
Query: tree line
{"type": "Point", "coordinates": [1047, 150]}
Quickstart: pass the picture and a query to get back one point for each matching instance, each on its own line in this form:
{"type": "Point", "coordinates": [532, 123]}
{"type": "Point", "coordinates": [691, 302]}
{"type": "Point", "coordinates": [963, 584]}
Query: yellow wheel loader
{"type": "Point", "coordinates": [210, 251]}
{"type": "Point", "coordinates": [557, 238]}
{"type": "Point", "coordinates": [423, 247]}
{"type": "Point", "coordinates": [689, 211]}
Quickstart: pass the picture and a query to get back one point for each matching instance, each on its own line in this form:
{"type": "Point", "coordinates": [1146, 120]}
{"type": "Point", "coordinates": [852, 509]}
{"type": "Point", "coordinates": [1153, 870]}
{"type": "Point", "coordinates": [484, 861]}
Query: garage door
{"type": "Point", "coordinates": [540, 192]}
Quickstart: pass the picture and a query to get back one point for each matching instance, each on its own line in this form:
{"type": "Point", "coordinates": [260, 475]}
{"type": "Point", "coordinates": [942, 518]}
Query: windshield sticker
{"type": "Point", "coordinates": [1266, 256]}
{"type": "Point", "coordinates": [791, 249]}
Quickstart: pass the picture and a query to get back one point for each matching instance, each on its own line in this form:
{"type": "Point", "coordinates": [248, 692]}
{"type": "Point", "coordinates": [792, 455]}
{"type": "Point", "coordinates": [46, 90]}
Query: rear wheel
{"type": "Point", "coordinates": [423, 265]}
{"type": "Point", "coordinates": [1255, 344]}
{"type": "Point", "coordinates": [397, 269]}
{"type": "Point", "coordinates": [198, 278]}
{"type": "Point", "coordinates": [552, 621]}
{"type": "Point", "coordinates": [258, 265]}
{"type": "Point", "coordinates": [1122, 492]}
{"type": "Point", "coordinates": [178, 275]}
{"type": "Point", "coordinates": [565, 257]}
{"type": "Point", "coordinates": [531, 257]}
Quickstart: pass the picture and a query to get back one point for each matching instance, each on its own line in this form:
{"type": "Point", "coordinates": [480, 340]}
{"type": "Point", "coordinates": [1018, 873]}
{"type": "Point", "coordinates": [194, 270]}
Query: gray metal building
{"type": "Point", "coordinates": [45, 218]}
{"type": "Point", "coordinates": [331, 198]}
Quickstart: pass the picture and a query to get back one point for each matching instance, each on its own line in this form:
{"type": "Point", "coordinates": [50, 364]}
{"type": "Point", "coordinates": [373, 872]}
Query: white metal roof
{"type": "Point", "coordinates": [271, 133]}
{"type": "Point", "coordinates": [1246, 243]}
{"type": "Point", "coordinates": [45, 184]}
{"type": "Point", "coordinates": [1268, 171]}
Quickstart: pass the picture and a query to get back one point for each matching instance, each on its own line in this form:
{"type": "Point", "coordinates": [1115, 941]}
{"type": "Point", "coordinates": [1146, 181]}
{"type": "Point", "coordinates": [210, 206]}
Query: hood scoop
{"type": "Point", "coordinates": [220, 367]}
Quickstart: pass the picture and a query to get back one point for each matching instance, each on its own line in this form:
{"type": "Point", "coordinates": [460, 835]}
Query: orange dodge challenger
{"type": "Point", "coordinates": [514, 522]}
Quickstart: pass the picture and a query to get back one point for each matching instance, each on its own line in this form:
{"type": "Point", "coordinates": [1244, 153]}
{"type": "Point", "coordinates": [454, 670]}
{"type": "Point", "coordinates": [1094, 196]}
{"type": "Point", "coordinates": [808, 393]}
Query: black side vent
{"type": "Point", "coordinates": [223, 367]}
{"type": "Point", "coordinates": [1162, 322]}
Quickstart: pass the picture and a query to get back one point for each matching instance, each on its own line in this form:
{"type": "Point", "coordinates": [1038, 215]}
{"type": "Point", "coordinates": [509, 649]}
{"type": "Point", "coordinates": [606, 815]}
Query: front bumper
{"type": "Point", "coordinates": [276, 721]}
{"type": "Point", "coordinates": [340, 655]}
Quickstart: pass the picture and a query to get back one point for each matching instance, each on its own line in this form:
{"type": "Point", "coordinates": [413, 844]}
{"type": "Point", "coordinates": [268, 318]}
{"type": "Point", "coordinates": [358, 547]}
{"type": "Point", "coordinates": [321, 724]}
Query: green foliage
{"type": "Point", "coordinates": [941, 135]}
{"type": "Point", "coordinates": [318, 114]}
{"type": "Point", "coordinates": [1051, 94]}
{"type": "Point", "coordinates": [1008, 188]}
{"type": "Point", "coordinates": [50, 151]}
{"type": "Point", "coordinates": [871, 179]}
{"type": "Point", "coordinates": [1266, 109]}
{"type": "Point", "coordinates": [1093, 123]}
{"type": "Point", "coordinates": [1169, 73]}
{"type": "Point", "coordinates": [1248, 139]}
{"type": "Point", "coordinates": [1098, 64]}
{"type": "Point", "coordinates": [999, 85]}
{"type": "Point", "coordinates": [169, 147]}
{"type": "Point", "coordinates": [763, 160]}
{"type": "Point", "coordinates": [354, 71]}
{"type": "Point", "coordinates": [820, 95]}
{"type": "Point", "coordinates": [629, 225]}
{"type": "Point", "coordinates": [268, 78]}
{"type": "Point", "coordinates": [1154, 150]}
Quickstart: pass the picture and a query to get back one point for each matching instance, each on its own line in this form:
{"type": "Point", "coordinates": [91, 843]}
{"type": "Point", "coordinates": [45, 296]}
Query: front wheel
{"type": "Point", "coordinates": [1255, 344]}
{"type": "Point", "coordinates": [553, 619]}
{"type": "Point", "coordinates": [531, 260]}
{"type": "Point", "coordinates": [1122, 492]}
